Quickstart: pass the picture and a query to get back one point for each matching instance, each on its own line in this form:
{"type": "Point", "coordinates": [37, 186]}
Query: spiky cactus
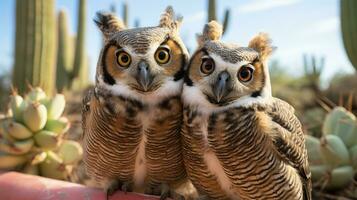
{"type": "Point", "coordinates": [213, 16]}
{"type": "Point", "coordinates": [136, 23]}
{"type": "Point", "coordinates": [31, 140]}
{"type": "Point", "coordinates": [80, 70]}
{"type": "Point", "coordinates": [348, 11]}
{"type": "Point", "coordinates": [35, 45]}
{"type": "Point", "coordinates": [112, 8]}
{"type": "Point", "coordinates": [313, 70]}
{"type": "Point", "coordinates": [333, 157]}
{"type": "Point", "coordinates": [125, 14]}
{"type": "Point", "coordinates": [64, 52]}
{"type": "Point", "coordinates": [72, 74]}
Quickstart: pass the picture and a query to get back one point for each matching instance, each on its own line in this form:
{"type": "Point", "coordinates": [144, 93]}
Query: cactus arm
{"type": "Point", "coordinates": [64, 65]}
{"type": "Point", "coordinates": [137, 23]}
{"type": "Point", "coordinates": [211, 14]}
{"type": "Point", "coordinates": [226, 20]}
{"type": "Point", "coordinates": [80, 49]}
{"type": "Point", "coordinates": [29, 41]}
{"type": "Point", "coordinates": [112, 8]}
{"type": "Point", "coordinates": [19, 44]}
{"type": "Point", "coordinates": [72, 73]}
{"type": "Point", "coordinates": [211, 10]}
{"type": "Point", "coordinates": [313, 71]}
{"type": "Point", "coordinates": [348, 10]}
{"type": "Point", "coordinates": [125, 14]}
{"type": "Point", "coordinates": [47, 78]}
{"type": "Point", "coordinates": [37, 46]}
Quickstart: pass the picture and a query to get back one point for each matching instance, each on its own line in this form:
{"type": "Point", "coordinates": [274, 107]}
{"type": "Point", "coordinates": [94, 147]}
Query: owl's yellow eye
{"type": "Point", "coordinates": [207, 66]}
{"type": "Point", "coordinates": [162, 55]}
{"type": "Point", "coordinates": [123, 59]}
{"type": "Point", "coordinates": [245, 73]}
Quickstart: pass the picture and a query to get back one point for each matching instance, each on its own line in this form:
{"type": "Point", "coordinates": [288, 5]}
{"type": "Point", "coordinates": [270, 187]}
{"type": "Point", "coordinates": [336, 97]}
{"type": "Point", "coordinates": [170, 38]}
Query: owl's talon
{"type": "Point", "coordinates": [112, 188]}
{"type": "Point", "coordinates": [167, 192]}
{"type": "Point", "coordinates": [149, 190]}
{"type": "Point", "coordinates": [127, 187]}
{"type": "Point", "coordinates": [203, 197]}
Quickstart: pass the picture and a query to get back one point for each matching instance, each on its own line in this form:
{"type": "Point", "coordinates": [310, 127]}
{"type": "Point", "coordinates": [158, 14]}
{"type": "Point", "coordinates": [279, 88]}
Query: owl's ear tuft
{"type": "Point", "coordinates": [108, 24]}
{"type": "Point", "coordinates": [169, 20]}
{"type": "Point", "coordinates": [212, 31]}
{"type": "Point", "coordinates": [262, 44]}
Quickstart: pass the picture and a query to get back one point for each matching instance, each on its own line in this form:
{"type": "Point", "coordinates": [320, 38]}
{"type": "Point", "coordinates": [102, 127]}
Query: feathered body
{"type": "Point", "coordinates": [132, 118]}
{"type": "Point", "coordinates": [239, 142]}
{"type": "Point", "coordinates": [130, 141]}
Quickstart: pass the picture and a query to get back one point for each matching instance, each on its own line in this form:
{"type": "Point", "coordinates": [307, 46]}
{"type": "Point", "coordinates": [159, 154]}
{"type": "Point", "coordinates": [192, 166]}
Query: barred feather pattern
{"type": "Point", "coordinates": [112, 134]}
{"type": "Point", "coordinates": [261, 151]}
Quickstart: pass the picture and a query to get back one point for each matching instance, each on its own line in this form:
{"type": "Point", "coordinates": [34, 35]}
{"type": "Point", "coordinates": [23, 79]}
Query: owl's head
{"type": "Point", "coordinates": [146, 63]}
{"type": "Point", "coordinates": [222, 75]}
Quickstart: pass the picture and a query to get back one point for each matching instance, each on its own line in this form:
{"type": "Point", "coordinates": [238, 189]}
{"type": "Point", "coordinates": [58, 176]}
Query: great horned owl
{"type": "Point", "coordinates": [239, 141]}
{"type": "Point", "coordinates": [132, 119]}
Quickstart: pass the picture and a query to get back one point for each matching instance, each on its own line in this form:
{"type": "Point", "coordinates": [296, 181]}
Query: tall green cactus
{"type": "Point", "coordinates": [349, 29]}
{"type": "Point", "coordinates": [113, 8]}
{"type": "Point", "coordinates": [125, 13]}
{"type": "Point", "coordinates": [64, 53]}
{"type": "Point", "coordinates": [35, 45]}
{"type": "Point", "coordinates": [79, 74]}
{"type": "Point", "coordinates": [71, 74]}
{"type": "Point", "coordinates": [313, 70]}
{"type": "Point", "coordinates": [212, 14]}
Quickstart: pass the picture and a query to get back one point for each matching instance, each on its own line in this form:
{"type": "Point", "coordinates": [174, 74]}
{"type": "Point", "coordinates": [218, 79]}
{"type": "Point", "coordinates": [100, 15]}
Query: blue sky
{"type": "Point", "coordinates": [296, 27]}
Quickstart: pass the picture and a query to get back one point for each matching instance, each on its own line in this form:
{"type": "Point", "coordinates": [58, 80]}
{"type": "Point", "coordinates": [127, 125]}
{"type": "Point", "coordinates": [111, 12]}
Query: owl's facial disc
{"type": "Point", "coordinates": [144, 76]}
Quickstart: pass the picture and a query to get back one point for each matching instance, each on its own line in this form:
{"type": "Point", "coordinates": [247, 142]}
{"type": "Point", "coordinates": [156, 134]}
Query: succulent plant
{"type": "Point", "coordinates": [333, 157]}
{"type": "Point", "coordinates": [31, 140]}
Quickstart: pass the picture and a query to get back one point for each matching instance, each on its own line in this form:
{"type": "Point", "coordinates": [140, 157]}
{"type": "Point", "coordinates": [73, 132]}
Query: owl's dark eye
{"type": "Point", "coordinates": [207, 66]}
{"type": "Point", "coordinates": [162, 55]}
{"type": "Point", "coordinates": [123, 58]}
{"type": "Point", "coordinates": [245, 73]}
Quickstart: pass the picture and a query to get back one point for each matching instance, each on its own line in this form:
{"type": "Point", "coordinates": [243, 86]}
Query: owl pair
{"type": "Point", "coordinates": [157, 120]}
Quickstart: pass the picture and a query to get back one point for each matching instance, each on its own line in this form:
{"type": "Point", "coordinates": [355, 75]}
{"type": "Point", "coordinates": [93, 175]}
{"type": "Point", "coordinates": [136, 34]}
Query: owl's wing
{"type": "Point", "coordinates": [289, 141]}
{"type": "Point", "coordinates": [86, 108]}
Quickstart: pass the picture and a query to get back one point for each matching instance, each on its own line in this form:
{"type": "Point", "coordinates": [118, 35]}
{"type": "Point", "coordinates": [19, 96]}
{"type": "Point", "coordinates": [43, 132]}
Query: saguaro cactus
{"type": "Point", "coordinates": [313, 70]}
{"type": "Point", "coordinates": [71, 74]}
{"type": "Point", "coordinates": [212, 14]}
{"type": "Point", "coordinates": [35, 44]}
{"type": "Point", "coordinates": [349, 29]}
{"type": "Point", "coordinates": [80, 71]}
{"type": "Point", "coordinates": [64, 52]}
{"type": "Point", "coordinates": [125, 13]}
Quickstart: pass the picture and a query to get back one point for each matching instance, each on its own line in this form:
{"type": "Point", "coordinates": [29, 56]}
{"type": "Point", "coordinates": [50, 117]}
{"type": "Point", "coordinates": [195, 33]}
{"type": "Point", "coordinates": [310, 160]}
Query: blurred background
{"type": "Point", "coordinates": [308, 35]}
{"type": "Point", "coordinates": [55, 44]}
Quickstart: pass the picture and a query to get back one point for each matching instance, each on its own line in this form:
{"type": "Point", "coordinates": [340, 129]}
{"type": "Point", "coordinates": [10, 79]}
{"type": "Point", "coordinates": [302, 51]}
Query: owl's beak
{"type": "Point", "coordinates": [144, 77]}
{"type": "Point", "coordinates": [221, 85]}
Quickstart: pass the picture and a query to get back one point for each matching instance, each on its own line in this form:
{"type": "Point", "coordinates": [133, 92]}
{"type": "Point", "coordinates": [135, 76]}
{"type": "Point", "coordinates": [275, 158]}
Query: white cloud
{"type": "Point", "coordinates": [327, 25]}
{"type": "Point", "coordinates": [261, 5]}
{"type": "Point", "coordinates": [196, 17]}
{"type": "Point", "coordinates": [320, 27]}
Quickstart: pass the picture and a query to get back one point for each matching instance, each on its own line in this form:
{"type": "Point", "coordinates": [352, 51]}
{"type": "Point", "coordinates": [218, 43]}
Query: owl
{"type": "Point", "coordinates": [132, 118]}
{"type": "Point", "coordinates": [238, 141]}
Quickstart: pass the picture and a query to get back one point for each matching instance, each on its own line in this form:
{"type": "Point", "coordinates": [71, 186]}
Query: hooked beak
{"type": "Point", "coordinates": [221, 85]}
{"type": "Point", "coordinates": [144, 77]}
